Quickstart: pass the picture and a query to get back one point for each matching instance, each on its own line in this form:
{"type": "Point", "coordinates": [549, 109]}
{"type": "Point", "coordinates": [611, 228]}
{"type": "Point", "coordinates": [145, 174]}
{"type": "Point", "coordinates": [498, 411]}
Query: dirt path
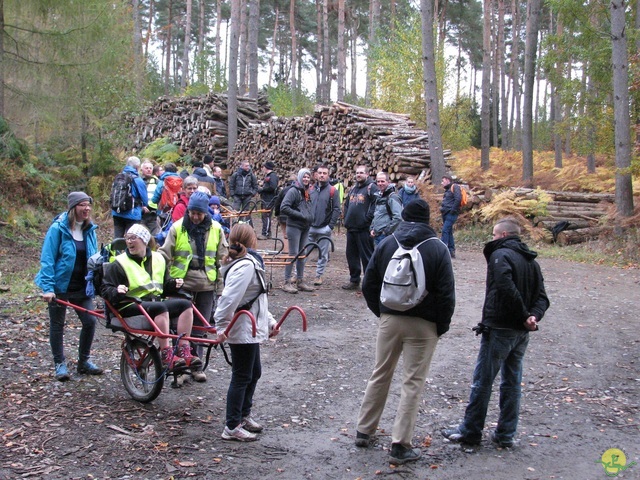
{"type": "Point", "coordinates": [580, 395]}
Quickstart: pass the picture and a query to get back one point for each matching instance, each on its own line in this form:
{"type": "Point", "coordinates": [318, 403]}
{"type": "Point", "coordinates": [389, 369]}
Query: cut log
{"type": "Point", "coordinates": [571, 237]}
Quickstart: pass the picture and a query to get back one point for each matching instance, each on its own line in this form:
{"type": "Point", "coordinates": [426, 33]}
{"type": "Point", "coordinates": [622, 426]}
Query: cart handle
{"type": "Point", "coordinates": [291, 309]}
{"type": "Point", "coordinates": [95, 313]}
{"type": "Point", "coordinates": [254, 328]}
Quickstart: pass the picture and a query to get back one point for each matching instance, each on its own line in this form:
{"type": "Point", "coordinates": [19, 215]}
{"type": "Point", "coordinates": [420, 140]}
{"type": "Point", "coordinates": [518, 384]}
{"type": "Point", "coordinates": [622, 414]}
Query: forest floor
{"type": "Point", "coordinates": [580, 391]}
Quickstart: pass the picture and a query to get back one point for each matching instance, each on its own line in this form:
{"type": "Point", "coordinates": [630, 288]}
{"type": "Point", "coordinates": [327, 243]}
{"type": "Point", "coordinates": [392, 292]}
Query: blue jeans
{"type": "Point", "coordinates": [378, 239]}
{"type": "Point", "coordinates": [245, 373]}
{"type": "Point", "coordinates": [57, 314]}
{"type": "Point", "coordinates": [448, 220]}
{"type": "Point", "coordinates": [500, 350]}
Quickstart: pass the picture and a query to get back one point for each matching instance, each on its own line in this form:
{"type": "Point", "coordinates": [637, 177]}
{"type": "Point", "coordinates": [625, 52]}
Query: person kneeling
{"type": "Point", "coordinates": [141, 273]}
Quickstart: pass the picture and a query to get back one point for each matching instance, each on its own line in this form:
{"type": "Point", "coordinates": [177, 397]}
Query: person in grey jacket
{"type": "Point", "coordinates": [388, 209]}
{"type": "Point", "coordinates": [325, 203]}
{"type": "Point", "coordinates": [245, 288]}
{"type": "Point", "coordinates": [296, 206]}
{"type": "Point", "coordinates": [243, 185]}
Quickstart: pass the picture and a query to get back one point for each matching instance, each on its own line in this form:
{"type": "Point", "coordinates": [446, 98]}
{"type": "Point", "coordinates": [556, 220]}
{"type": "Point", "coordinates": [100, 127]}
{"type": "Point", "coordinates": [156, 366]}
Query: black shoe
{"type": "Point", "coordinates": [454, 435]}
{"type": "Point", "coordinates": [351, 286]}
{"type": "Point", "coordinates": [502, 443]}
{"type": "Point", "coordinates": [362, 440]}
{"type": "Point", "coordinates": [453, 253]}
{"type": "Point", "coordinates": [401, 454]}
{"type": "Point", "coordinates": [89, 368]}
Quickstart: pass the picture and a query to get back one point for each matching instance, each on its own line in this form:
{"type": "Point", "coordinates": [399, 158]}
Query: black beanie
{"type": "Point", "coordinates": [416, 211]}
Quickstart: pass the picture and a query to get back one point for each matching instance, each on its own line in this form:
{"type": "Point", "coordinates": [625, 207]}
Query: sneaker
{"type": "Point", "coordinates": [89, 368]}
{"type": "Point", "coordinates": [62, 374]}
{"type": "Point", "coordinates": [502, 443]}
{"type": "Point", "coordinates": [318, 280]}
{"type": "Point", "coordinates": [238, 434]}
{"type": "Point", "coordinates": [362, 440]}
{"type": "Point", "coordinates": [191, 361]}
{"type": "Point", "coordinates": [199, 376]}
{"type": "Point", "coordinates": [250, 425]}
{"type": "Point", "coordinates": [303, 287]}
{"type": "Point", "coordinates": [351, 286]}
{"type": "Point", "coordinates": [263, 237]}
{"type": "Point", "coordinates": [289, 287]}
{"type": "Point", "coordinates": [401, 454]}
{"type": "Point", "coordinates": [454, 435]}
{"type": "Point", "coordinates": [169, 360]}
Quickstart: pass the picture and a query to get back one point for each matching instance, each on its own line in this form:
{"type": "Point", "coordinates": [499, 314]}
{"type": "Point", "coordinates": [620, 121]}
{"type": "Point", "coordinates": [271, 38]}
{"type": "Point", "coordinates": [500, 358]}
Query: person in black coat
{"type": "Point", "coordinates": [412, 333]}
{"type": "Point", "coordinates": [515, 301]}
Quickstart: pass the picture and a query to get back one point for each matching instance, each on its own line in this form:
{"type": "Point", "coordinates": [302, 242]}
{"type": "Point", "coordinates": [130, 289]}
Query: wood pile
{"type": "Point", "coordinates": [343, 136]}
{"type": "Point", "coordinates": [197, 124]}
{"type": "Point", "coordinates": [583, 212]}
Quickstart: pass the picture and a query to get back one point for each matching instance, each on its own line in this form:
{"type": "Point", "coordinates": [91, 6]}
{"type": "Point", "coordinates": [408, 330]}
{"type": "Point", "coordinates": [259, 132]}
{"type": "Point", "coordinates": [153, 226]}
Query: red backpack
{"type": "Point", "coordinates": [172, 186]}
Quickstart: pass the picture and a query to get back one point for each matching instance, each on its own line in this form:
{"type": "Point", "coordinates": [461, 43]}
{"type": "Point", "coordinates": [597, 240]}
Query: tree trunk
{"type": "Point", "coordinates": [530, 50]}
{"type": "Point", "coordinates": [555, 125]}
{"type": "Point", "coordinates": [185, 51]}
{"type": "Point", "coordinates": [514, 132]}
{"type": "Point", "coordinates": [374, 19]}
{"type": "Point", "coordinates": [232, 93]}
{"type": "Point", "coordinates": [243, 50]}
{"type": "Point", "coordinates": [326, 55]}
{"type": "Point", "coordinates": [294, 46]}
{"type": "Point", "coordinates": [201, 21]}
{"type": "Point", "coordinates": [138, 69]}
{"type": "Point", "coordinates": [620, 63]}
{"type": "Point", "coordinates": [342, 58]}
{"type": "Point", "coordinates": [485, 114]}
{"type": "Point", "coordinates": [149, 29]}
{"type": "Point", "coordinates": [319, 50]}
{"type": "Point", "coordinates": [354, 56]}
{"type": "Point", "coordinates": [272, 61]}
{"type": "Point", "coordinates": [167, 67]}
{"type": "Point", "coordinates": [219, 75]}
{"type": "Point", "coordinates": [431, 93]}
{"type": "Point", "coordinates": [254, 27]}
{"type": "Point", "coordinates": [2, 58]}
{"type": "Point", "coordinates": [498, 79]}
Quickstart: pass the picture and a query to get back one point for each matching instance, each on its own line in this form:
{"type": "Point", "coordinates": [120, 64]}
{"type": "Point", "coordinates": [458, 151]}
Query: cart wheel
{"type": "Point", "coordinates": [141, 370]}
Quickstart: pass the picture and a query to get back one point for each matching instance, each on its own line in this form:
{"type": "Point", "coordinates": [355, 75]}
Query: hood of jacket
{"type": "Point", "coordinates": [130, 170]}
{"type": "Point", "coordinates": [513, 243]}
{"type": "Point", "coordinates": [412, 233]}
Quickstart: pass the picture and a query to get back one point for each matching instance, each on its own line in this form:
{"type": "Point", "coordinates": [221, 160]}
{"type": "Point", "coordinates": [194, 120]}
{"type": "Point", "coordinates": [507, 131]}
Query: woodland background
{"type": "Point", "coordinates": [519, 77]}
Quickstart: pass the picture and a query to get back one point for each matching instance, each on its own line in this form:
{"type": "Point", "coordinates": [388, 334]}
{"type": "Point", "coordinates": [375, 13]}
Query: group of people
{"type": "Point", "coordinates": [196, 258]}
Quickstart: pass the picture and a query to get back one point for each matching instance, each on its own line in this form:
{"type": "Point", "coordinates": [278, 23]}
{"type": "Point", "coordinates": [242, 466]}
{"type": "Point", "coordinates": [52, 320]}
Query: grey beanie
{"type": "Point", "coordinates": [76, 198]}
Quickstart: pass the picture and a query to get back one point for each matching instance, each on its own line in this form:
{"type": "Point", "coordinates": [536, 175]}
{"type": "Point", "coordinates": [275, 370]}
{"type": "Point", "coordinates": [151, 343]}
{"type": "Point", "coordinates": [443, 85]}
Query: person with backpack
{"type": "Point", "coordinates": [450, 209]}
{"type": "Point", "coordinates": [150, 218]}
{"type": "Point", "coordinates": [128, 198]}
{"type": "Point", "coordinates": [515, 301]}
{"type": "Point", "coordinates": [409, 191]}
{"type": "Point", "coordinates": [189, 187]}
{"type": "Point", "coordinates": [325, 204]}
{"type": "Point", "coordinates": [297, 207]}
{"type": "Point", "coordinates": [243, 185]}
{"type": "Point", "coordinates": [193, 251]}
{"type": "Point", "coordinates": [388, 209]}
{"type": "Point", "coordinates": [358, 213]}
{"type": "Point", "coordinates": [282, 219]}
{"type": "Point", "coordinates": [245, 288]}
{"type": "Point", "coordinates": [411, 332]}
{"type": "Point", "coordinates": [70, 241]}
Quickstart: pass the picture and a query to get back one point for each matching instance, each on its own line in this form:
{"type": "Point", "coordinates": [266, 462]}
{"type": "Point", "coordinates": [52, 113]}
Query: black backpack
{"type": "Point", "coordinates": [278, 200]}
{"type": "Point", "coordinates": [121, 198]}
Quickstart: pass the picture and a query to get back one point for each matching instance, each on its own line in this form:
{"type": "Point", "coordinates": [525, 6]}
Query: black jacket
{"type": "Point", "coordinates": [296, 206]}
{"type": "Point", "coordinates": [515, 286]}
{"type": "Point", "coordinates": [243, 184]}
{"type": "Point", "coordinates": [439, 304]}
{"type": "Point", "coordinates": [268, 190]}
{"type": "Point", "coordinates": [451, 199]}
{"type": "Point", "coordinates": [359, 205]}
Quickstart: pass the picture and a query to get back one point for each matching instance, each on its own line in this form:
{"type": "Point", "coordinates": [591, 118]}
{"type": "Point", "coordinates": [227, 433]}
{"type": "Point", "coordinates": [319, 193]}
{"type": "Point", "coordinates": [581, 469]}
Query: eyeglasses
{"type": "Point", "coordinates": [361, 173]}
{"type": "Point", "coordinates": [130, 238]}
{"type": "Point", "coordinates": [84, 205]}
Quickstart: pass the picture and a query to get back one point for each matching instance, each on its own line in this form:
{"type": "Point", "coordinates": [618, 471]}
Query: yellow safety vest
{"type": "Point", "coordinates": [151, 189]}
{"type": "Point", "coordinates": [183, 253]}
{"type": "Point", "coordinates": [140, 283]}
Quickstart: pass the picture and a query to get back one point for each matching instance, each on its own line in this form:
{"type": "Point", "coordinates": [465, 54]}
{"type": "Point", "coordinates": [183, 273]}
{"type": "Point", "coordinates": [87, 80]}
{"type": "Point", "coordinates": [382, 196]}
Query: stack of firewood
{"type": "Point", "coordinates": [343, 136]}
{"type": "Point", "coordinates": [197, 124]}
{"type": "Point", "coordinates": [583, 212]}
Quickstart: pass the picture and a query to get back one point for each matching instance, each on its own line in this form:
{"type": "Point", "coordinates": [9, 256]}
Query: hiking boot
{"type": "Point", "coordinates": [169, 360]}
{"type": "Point", "coordinates": [318, 280]}
{"type": "Point", "coordinates": [238, 434]}
{"type": "Point", "coordinates": [454, 435]}
{"type": "Point", "coordinates": [362, 440]}
{"type": "Point", "coordinates": [502, 443]}
{"type": "Point", "coordinates": [303, 287]}
{"type": "Point", "coordinates": [351, 286]}
{"type": "Point", "coordinates": [62, 373]}
{"type": "Point", "coordinates": [250, 425]}
{"type": "Point", "coordinates": [89, 368]}
{"type": "Point", "coordinates": [198, 376]}
{"type": "Point", "coordinates": [401, 454]}
{"type": "Point", "coordinates": [191, 361]}
{"type": "Point", "coordinates": [289, 287]}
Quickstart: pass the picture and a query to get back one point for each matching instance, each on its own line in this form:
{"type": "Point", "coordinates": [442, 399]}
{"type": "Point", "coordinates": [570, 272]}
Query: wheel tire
{"type": "Point", "coordinates": [141, 370]}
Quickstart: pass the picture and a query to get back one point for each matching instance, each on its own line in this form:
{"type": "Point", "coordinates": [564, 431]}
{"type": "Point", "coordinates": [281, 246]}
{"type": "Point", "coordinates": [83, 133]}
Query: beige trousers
{"type": "Point", "coordinates": [416, 339]}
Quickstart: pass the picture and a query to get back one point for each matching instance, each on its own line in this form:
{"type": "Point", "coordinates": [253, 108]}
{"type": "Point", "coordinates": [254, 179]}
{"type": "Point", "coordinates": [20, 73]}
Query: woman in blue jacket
{"type": "Point", "coordinates": [70, 241]}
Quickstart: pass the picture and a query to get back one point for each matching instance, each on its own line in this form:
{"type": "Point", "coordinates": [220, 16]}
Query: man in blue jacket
{"type": "Point", "coordinates": [412, 334]}
{"type": "Point", "coordinates": [123, 220]}
{"type": "Point", "coordinates": [515, 301]}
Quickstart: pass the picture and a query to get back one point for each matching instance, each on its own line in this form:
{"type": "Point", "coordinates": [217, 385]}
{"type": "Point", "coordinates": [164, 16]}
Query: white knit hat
{"type": "Point", "coordinates": [141, 232]}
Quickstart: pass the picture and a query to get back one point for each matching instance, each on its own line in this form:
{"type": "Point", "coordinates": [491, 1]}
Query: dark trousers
{"type": "Point", "coordinates": [121, 225]}
{"type": "Point", "coordinates": [359, 251]}
{"type": "Point", "coordinates": [245, 373]}
{"type": "Point", "coordinates": [57, 315]}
